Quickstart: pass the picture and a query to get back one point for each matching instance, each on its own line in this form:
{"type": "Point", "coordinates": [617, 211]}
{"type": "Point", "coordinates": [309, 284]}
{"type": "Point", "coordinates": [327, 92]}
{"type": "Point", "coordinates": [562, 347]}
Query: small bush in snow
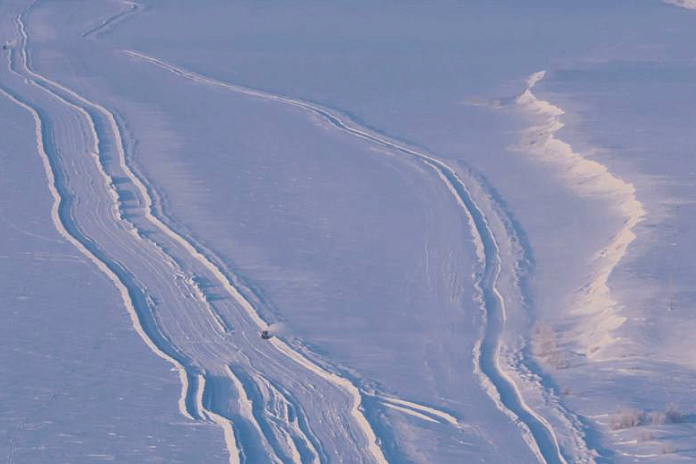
{"type": "Point", "coordinates": [545, 347]}
{"type": "Point", "coordinates": [635, 417]}
{"type": "Point", "coordinates": [674, 415]}
{"type": "Point", "coordinates": [655, 418]}
{"type": "Point", "coordinates": [626, 419]}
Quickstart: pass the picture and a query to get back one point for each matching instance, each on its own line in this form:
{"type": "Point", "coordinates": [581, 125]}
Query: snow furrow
{"type": "Point", "coordinates": [62, 221]}
{"type": "Point", "coordinates": [277, 422]}
{"type": "Point", "coordinates": [411, 412]}
{"type": "Point", "coordinates": [108, 23]}
{"type": "Point", "coordinates": [230, 440]}
{"type": "Point", "coordinates": [422, 410]}
{"type": "Point", "coordinates": [246, 409]}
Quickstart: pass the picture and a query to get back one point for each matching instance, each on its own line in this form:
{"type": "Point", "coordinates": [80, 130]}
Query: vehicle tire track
{"type": "Point", "coordinates": [195, 379]}
{"type": "Point", "coordinates": [538, 432]}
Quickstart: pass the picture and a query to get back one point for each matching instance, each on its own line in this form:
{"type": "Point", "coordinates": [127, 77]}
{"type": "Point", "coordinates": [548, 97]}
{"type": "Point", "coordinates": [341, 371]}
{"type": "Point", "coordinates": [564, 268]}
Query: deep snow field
{"type": "Point", "coordinates": [469, 227]}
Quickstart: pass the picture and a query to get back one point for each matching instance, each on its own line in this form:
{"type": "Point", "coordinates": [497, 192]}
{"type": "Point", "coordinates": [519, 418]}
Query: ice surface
{"type": "Point", "coordinates": [460, 257]}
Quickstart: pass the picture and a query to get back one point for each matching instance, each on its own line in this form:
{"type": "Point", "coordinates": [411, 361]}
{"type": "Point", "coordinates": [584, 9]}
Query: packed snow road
{"type": "Point", "coordinates": [311, 415]}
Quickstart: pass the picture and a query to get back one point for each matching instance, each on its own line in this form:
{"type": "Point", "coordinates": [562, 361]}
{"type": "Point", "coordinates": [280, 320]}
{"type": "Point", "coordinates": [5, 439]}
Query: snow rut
{"type": "Point", "coordinates": [130, 9]}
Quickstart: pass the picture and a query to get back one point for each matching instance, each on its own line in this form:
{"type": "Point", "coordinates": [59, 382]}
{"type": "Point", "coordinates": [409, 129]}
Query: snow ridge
{"type": "Point", "coordinates": [588, 178]}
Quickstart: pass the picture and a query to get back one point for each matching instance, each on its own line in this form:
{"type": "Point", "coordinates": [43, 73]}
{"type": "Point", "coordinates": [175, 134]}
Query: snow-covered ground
{"type": "Point", "coordinates": [469, 227]}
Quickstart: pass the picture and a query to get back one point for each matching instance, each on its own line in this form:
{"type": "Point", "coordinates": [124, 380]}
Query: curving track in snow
{"type": "Point", "coordinates": [130, 9]}
{"type": "Point", "coordinates": [273, 403]}
{"type": "Point", "coordinates": [499, 383]}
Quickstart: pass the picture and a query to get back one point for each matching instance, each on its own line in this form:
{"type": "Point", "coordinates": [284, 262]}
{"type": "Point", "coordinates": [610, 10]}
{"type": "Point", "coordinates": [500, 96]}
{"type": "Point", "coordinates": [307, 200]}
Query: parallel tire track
{"type": "Point", "coordinates": [192, 402]}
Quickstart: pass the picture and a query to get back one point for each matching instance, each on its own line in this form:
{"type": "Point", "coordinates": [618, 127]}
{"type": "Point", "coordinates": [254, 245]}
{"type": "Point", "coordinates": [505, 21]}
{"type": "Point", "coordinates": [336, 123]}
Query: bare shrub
{"type": "Point", "coordinates": [655, 418]}
{"type": "Point", "coordinates": [630, 418]}
{"type": "Point", "coordinates": [626, 419]}
{"type": "Point", "coordinates": [545, 347]}
{"type": "Point", "coordinates": [566, 391]}
{"type": "Point", "coordinates": [646, 436]}
{"type": "Point", "coordinates": [674, 414]}
{"type": "Point", "coordinates": [667, 449]}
